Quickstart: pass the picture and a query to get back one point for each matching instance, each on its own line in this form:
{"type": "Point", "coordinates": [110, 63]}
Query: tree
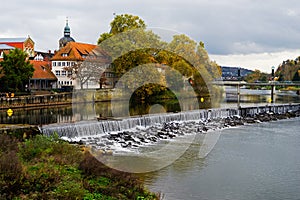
{"type": "Point", "coordinates": [90, 70]}
{"type": "Point", "coordinates": [132, 45]}
{"type": "Point", "coordinates": [127, 50]}
{"type": "Point", "coordinates": [288, 70]}
{"type": "Point", "coordinates": [104, 36]}
{"type": "Point", "coordinates": [122, 23]}
{"type": "Point", "coordinates": [297, 76]}
{"type": "Point", "coordinates": [126, 22]}
{"type": "Point", "coordinates": [16, 70]}
{"type": "Point", "coordinates": [174, 79]}
{"type": "Point", "coordinates": [255, 76]}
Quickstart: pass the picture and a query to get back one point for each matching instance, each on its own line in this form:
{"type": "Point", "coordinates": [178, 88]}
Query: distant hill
{"type": "Point", "coordinates": [289, 70]}
{"type": "Point", "coordinates": [231, 73]}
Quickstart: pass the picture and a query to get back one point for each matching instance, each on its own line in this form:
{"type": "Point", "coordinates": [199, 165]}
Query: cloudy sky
{"type": "Point", "coordinates": [254, 34]}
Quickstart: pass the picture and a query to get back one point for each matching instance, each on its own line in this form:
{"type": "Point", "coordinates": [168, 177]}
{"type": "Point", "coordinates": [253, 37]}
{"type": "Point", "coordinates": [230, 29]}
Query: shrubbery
{"type": "Point", "coordinates": [49, 168]}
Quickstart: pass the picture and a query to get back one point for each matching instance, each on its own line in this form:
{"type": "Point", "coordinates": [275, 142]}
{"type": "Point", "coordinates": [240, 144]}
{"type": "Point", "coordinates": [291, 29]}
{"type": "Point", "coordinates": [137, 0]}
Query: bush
{"type": "Point", "coordinates": [8, 143]}
{"type": "Point", "coordinates": [11, 174]}
{"type": "Point", "coordinates": [34, 147]}
{"type": "Point", "coordinates": [45, 148]}
{"type": "Point", "coordinates": [41, 178]}
{"type": "Point", "coordinates": [69, 189]}
{"type": "Point", "coordinates": [110, 182]}
{"type": "Point", "coordinates": [49, 168]}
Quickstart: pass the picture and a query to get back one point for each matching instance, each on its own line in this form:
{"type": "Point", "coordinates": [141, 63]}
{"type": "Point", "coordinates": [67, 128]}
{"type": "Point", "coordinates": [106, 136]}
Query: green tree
{"type": "Point", "coordinates": [288, 70]}
{"type": "Point", "coordinates": [174, 79]}
{"type": "Point", "coordinates": [132, 45]}
{"type": "Point", "coordinates": [122, 23]}
{"type": "Point", "coordinates": [16, 70]}
{"type": "Point", "coordinates": [104, 36]}
{"type": "Point", "coordinates": [126, 22]}
{"type": "Point", "coordinates": [297, 76]}
{"type": "Point", "coordinates": [129, 48]}
{"type": "Point", "coordinates": [255, 76]}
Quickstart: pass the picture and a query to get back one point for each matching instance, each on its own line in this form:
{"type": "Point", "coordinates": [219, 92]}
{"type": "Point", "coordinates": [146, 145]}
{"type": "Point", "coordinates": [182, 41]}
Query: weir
{"type": "Point", "coordinates": [88, 128]}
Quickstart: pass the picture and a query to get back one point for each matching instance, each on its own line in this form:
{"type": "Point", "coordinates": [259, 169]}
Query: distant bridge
{"type": "Point", "coordinates": [242, 83]}
{"type": "Point", "coordinates": [238, 84]}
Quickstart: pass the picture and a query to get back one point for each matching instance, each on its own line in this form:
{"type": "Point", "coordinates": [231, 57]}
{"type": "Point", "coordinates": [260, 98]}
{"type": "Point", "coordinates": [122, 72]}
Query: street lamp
{"type": "Point", "coordinates": [238, 87]}
{"type": "Point", "coordinates": [272, 85]}
{"type": "Point", "coordinates": [273, 74]}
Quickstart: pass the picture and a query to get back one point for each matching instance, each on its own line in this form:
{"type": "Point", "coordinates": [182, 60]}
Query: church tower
{"type": "Point", "coordinates": [67, 36]}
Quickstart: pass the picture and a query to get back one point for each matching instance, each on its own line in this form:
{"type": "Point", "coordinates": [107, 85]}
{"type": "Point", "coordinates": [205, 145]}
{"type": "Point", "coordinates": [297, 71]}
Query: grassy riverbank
{"type": "Point", "coordinates": [48, 168]}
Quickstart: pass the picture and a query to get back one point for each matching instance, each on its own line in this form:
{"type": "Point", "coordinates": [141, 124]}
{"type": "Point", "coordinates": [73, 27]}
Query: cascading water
{"type": "Point", "coordinates": [85, 128]}
{"type": "Point", "coordinates": [135, 131]}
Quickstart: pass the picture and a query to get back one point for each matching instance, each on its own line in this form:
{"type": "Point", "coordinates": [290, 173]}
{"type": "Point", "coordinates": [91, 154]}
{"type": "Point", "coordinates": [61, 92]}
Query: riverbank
{"type": "Point", "coordinates": [31, 101]}
{"type": "Point", "coordinates": [48, 168]}
{"type": "Point", "coordinates": [56, 99]}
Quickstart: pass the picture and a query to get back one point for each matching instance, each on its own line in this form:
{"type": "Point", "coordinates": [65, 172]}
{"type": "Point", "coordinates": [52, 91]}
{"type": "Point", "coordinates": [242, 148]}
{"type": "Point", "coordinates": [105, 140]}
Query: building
{"type": "Point", "coordinates": [66, 38]}
{"type": "Point", "coordinates": [4, 48]}
{"type": "Point", "coordinates": [81, 65]}
{"type": "Point", "coordinates": [67, 60]}
{"type": "Point", "coordinates": [43, 78]}
{"type": "Point", "coordinates": [25, 44]}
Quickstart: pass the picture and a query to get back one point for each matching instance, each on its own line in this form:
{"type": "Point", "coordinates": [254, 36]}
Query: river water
{"type": "Point", "coordinates": [70, 113]}
{"type": "Point", "coordinates": [260, 161]}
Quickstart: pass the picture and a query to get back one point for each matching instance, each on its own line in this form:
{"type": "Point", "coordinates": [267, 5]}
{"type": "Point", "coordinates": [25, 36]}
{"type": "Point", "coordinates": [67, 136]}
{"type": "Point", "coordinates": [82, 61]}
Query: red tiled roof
{"type": "Point", "coordinates": [42, 70]}
{"type": "Point", "coordinates": [75, 51]}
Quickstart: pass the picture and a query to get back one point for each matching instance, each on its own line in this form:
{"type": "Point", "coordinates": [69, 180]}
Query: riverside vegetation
{"type": "Point", "coordinates": [48, 168]}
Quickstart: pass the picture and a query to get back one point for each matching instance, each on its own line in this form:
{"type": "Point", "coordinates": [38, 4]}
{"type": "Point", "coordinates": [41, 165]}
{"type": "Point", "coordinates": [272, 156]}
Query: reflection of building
{"type": "Point", "coordinates": [25, 44]}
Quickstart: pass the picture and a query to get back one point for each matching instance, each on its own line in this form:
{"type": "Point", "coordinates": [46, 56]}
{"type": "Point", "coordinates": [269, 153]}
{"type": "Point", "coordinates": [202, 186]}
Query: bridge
{"type": "Point", "coordinates": [243, 83]}
{"type": "Point", "coordinates": [238, 84]}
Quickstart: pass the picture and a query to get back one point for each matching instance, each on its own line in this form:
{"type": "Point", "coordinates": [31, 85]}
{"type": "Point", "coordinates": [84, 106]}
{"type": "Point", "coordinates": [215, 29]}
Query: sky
{"type": "Point", "coordinates": [253, 34]}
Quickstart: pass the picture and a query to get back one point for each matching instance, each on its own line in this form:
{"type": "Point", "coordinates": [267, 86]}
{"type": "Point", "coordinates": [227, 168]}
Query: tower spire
{"type": "Point", "coordinates": [67, 30]}
{"type": "Point", "coordinates": [67, 21]}
{"type": "Point", "coordinates": [67, 35]}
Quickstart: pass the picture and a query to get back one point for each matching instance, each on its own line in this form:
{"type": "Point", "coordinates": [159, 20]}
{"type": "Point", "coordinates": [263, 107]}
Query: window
{"type": "Point", "coordinates": [63, 64]}
{"type": "Point", "coordinates": [54, 64]}
{"type": "Point", "coordinates": [68, 63]}
{"type": "Point", "coordinates": [57, 73]}
{"type": "Point", "coordinates": [64, 55]}
{"type": "Point", "coordinates": [70, 73]}
{"type": "Point", "coordinates": [63, 73]}
{"type": "Point", "coordinates": [109, 75]}
{"type": "Point", "coordinates": [59, 64]}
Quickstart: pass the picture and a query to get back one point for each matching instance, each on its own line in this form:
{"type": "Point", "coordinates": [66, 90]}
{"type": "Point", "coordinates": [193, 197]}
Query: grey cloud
{"type": "Point", "coordinates": [226, 27]}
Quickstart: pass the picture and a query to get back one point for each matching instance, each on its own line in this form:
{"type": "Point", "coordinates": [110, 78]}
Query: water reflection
{"type": "Point", "coordinates": [38, 116]}
{"type": "Point", "coordinates": [90, 111]}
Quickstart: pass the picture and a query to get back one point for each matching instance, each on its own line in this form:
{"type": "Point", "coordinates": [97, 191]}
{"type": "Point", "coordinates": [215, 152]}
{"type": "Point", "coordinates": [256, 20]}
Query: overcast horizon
{"type": "Point", "coordinates": [247, 33]}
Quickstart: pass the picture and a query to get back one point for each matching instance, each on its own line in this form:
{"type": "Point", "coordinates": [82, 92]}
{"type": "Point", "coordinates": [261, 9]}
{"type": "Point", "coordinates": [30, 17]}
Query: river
{"type": "Point", "coordinates": [260, 161]}
{"type": "Point", "coordinates": [69, 113]}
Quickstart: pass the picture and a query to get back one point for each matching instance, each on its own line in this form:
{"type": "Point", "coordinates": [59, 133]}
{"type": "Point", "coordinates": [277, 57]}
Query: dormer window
{"type": "Point", "coordinates": [64, 55]}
